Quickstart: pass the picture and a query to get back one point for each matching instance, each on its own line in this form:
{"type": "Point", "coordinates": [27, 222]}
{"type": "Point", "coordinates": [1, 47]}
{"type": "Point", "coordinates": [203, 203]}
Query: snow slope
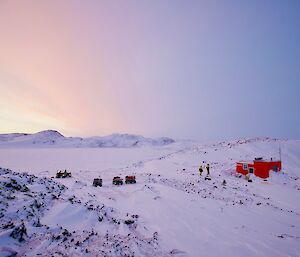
{"type": "Point", "coordinates": [52, 138]}
{"type": "Point", "coordinates": [174, 211]}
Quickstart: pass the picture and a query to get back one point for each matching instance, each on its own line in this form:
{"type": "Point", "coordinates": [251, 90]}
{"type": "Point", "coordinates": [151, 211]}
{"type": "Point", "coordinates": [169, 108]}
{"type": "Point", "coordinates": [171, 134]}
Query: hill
{"type": "Point", "coordinates": [52, 138]}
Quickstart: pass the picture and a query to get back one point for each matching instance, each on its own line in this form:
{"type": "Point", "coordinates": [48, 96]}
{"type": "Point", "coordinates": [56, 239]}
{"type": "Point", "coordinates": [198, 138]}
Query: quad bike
{"type": "Point", "coordinates": [130, 180]}
{"type": "Point", "coordinates": [117, 181]}
{"type": "Point", "coordinates": [97, 182]}
{"type": "Point", "coordinates": [63, 174]}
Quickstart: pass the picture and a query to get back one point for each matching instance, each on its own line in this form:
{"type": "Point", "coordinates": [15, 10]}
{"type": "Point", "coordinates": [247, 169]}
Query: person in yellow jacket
{"type": "Point", "coordinates": [207, 169]}
{"type": "Point", "coordinates": [200, 170]}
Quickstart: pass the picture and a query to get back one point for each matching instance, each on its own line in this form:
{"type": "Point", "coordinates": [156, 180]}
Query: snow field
{"type": "Point", "coordinates": [178, 212]}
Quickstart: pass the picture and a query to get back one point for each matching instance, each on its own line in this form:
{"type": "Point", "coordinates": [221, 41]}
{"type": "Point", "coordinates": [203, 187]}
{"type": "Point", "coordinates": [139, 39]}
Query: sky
{"type": "Point", "coordinates": [184, 69]}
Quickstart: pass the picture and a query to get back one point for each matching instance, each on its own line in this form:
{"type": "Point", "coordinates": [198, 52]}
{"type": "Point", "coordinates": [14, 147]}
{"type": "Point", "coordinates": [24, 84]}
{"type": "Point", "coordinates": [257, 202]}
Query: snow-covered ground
{"type": "Point", "coordinates": [173, 211]}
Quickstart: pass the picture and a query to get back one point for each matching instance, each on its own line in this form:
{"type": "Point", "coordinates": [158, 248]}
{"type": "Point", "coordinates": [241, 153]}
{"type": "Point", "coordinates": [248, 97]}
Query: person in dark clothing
{"type": "Point", "coordinates": [207, 168]}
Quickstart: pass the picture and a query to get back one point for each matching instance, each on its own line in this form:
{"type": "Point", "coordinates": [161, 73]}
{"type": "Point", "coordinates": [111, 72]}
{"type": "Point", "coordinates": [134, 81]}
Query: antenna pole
{"type": "Point", "coordinates": [280, 151]}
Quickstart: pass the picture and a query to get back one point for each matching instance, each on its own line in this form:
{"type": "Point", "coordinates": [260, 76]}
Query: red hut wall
{"type": "Point", "coordinates": [240, 167]}
{"type": "Point", "coordinates": [262, 168]}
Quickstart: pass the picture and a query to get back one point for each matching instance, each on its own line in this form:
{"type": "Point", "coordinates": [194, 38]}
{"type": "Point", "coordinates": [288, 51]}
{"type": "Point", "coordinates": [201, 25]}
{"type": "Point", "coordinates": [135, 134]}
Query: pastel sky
{"type": "Point", "coordinates": [184, 69]}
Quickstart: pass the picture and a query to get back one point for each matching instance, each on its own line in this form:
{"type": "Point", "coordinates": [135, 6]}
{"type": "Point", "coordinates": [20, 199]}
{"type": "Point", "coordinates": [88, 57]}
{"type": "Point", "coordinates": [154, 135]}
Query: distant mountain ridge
{"type": "Point", "coordinates": [53, 138]}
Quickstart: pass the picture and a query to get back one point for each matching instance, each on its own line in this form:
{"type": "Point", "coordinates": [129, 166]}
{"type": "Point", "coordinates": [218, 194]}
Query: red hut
{"type": "Point", "coordinates": [258, 167]}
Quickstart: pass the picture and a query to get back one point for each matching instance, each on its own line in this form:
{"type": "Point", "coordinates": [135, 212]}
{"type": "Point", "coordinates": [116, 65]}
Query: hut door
{"type": "Point", "coordinates": [251, 170]}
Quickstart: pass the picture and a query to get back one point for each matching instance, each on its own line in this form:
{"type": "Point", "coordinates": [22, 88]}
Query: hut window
{"type": "Point", "coordinates": [245, 166]}
{"type": "Point", "coordinates": [251, 170]}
